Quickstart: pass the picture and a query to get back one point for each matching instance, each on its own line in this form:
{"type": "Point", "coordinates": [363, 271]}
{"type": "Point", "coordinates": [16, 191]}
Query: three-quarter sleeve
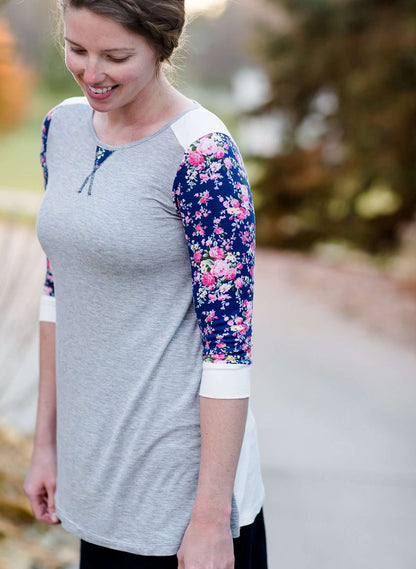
{"type": "Point", "coordinates": [47, 309]}
{"type": "Point", "coordinates": [212, 195]}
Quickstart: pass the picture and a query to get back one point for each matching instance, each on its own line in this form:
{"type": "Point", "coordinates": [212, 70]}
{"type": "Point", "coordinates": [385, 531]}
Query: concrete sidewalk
{"type": "Point", "coordinates": [334, 406]}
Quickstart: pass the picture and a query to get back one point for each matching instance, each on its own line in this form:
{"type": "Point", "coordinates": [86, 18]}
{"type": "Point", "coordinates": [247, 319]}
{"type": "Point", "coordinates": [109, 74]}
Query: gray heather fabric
{"type": "Point", "coordinates": [129, 354]}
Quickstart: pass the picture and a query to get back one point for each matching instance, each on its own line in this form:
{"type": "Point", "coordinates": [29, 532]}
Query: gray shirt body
{"type": "Point", "coordinates": [129, 353]}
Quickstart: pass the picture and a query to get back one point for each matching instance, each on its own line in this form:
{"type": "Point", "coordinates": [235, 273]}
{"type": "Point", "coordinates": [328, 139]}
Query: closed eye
{"type": "Point", "coordinates": [109, 57]}
{"type": "Point", "coordinates": [118, 59]}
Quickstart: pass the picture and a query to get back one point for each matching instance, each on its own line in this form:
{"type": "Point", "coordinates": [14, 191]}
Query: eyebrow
{"type": "Point", "coordinates": [129, 49]}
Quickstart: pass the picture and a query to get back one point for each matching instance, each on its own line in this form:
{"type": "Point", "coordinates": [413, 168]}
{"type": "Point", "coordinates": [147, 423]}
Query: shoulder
{"type": "Point", "coordinates": [68, 107]}
{"type": "Point", "coordinates": [68, 118]}
{"type": "Point", "coordinates": [55, 121]}
{"type": "Point", "coordinates": [196, 124]}
{"type": "Point", "coordinates": [209, 148]}
{"type": "Point", "coordinates": [205, 138]}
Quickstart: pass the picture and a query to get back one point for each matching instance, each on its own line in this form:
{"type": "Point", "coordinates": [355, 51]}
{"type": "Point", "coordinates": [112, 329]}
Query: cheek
{"type": "Point", "coordinates": [138, 74]}
{"type": "Point", "coordinates": [71, 63]}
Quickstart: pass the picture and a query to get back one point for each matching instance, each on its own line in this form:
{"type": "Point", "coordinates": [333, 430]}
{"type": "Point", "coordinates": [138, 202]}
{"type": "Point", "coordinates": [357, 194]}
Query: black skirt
{"type": "Point", "coordinates": [249, 552]}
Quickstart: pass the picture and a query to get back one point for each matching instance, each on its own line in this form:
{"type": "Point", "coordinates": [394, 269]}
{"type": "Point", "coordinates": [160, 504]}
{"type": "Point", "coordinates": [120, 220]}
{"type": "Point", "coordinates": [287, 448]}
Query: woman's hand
{"type": "Point", "coordinates": [207, 545]}
{"type": "Point", "coordinates": [40, 485]}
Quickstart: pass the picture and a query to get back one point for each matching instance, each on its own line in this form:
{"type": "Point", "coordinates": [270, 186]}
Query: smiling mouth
{"type": "Point", "coordinates": [101, 90]}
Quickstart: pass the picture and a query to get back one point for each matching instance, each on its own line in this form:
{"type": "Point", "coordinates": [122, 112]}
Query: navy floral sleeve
{"type": "Point", "coordinates": [48, 287]}
{"type": "Point", "coordinates": [212, 195]}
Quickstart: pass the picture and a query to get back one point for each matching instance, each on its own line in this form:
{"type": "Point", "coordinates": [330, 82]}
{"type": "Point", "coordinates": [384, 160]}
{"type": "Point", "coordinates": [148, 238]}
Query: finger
{"type": "Point", "coordinates": [181, 563]}
{"type": "Point", "coordinates": [51, 505]}
{"type": "Point", "coordinates": [40, 506]}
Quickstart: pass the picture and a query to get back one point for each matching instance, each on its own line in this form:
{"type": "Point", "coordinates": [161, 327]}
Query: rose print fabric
{"type": "Point", "coordinates": [44, 143]}
{"type": "Point", "coordinates": [213, 197]}
{"type": "Point", "coordinates": [48, 287]}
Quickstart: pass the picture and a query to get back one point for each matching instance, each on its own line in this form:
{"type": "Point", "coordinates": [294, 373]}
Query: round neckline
{"type": "Point", "coordinates": [101, 144]}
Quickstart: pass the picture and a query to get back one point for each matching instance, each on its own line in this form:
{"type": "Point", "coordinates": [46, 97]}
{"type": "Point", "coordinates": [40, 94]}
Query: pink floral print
{"type": "Point", "coordinates": [48, 287]}
{"type": "Point", "coordinates": [212, 195]}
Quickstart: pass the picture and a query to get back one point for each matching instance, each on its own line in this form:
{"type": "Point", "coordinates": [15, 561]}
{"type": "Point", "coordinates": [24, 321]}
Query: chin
{"type": "Point", "coordinates": [97, 104]}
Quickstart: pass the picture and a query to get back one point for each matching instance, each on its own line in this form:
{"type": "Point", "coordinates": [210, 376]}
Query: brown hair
{"type": "Point", "coordinates": [160, 21]}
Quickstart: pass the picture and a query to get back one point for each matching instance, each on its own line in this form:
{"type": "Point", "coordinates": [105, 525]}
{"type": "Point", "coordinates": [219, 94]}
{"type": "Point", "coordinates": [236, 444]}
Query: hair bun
{"type": "Point", "coordinates": [159, 21]}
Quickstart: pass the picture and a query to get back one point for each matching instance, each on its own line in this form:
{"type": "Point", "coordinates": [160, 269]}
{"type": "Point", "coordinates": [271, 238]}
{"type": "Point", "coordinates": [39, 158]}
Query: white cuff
{"type": "Point", "coordinates": [47, 309]}
{"type": "Point", "coordinates": [225, 381]}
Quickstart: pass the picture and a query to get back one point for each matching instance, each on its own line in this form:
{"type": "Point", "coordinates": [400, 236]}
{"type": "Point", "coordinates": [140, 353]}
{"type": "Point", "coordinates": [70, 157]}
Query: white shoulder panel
{"type": "Point", "coordinates": [74, 101]}
{"type": "Point", "coordinates": [195, 124]}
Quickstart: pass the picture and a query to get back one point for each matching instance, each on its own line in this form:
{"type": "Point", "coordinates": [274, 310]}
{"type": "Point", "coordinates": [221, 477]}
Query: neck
{"type": "Point", "coordinates": [144, 111]}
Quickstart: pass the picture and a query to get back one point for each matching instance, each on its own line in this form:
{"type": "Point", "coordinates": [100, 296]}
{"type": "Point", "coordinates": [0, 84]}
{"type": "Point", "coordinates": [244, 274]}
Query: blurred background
{"type": "Point", "coordinates": [320, 96]}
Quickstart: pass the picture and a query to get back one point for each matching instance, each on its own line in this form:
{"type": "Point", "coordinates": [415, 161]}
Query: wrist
{"type": "Point", "coordinates": [210, 511]}
{"type": "Point", "coordinates": [42, 445]}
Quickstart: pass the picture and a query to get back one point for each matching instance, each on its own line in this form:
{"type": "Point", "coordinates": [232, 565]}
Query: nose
{"type": "Point", "coordinates": [93, 72]}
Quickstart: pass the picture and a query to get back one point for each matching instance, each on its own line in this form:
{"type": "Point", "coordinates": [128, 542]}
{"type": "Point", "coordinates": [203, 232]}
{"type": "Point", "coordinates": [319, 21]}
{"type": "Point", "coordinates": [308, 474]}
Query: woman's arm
{"type": "Point", "coordinates": [222, 430]}
{"type": "Point", "coordinates": [212, 195]}
{"type": "Point", "coordinates": [40, 483]}
{"type": "Point", "coordinates": [208, 539]}
{"type": "Point", "coordinates": [45, 430]}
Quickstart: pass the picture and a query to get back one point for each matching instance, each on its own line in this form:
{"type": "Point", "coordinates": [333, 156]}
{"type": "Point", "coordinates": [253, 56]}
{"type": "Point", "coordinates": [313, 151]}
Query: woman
{"type": "Point", "coordinates": [145, 446]}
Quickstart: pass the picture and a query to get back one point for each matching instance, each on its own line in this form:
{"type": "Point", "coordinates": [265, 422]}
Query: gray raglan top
{"type": "Point", "coordinates": [150, 249]}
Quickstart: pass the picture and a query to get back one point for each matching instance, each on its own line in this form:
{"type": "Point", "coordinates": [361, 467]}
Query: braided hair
{"type": "Point", "coordinates": [160, 21]}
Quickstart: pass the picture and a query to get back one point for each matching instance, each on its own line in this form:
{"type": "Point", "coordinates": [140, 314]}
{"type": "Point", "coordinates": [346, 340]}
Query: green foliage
{"type": "Point", "coordinates": [354, 180]}
{"type": "Point", "coordinates": [55, 76]}
{"type": "Point", "coordinates": [20, 148]}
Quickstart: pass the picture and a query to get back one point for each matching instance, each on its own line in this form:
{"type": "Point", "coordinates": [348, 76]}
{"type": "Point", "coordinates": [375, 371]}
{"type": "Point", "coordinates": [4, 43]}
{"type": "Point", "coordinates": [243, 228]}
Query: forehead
{"type": "Point", "coordinates": [89, 29]}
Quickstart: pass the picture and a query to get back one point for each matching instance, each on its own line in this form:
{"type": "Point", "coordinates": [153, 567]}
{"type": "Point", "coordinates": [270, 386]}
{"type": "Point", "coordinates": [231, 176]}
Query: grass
{"type": "Point", "coordinates": [19, 159]}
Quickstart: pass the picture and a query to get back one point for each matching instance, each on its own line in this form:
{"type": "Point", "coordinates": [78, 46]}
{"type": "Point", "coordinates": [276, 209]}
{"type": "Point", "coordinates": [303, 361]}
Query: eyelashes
{"type": "Point", "coordinates": [109, 57]}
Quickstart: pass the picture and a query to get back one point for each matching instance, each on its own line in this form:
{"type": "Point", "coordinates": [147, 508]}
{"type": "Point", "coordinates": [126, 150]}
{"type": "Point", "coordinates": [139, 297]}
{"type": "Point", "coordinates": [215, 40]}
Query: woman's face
{"type": "Point", "coordinates": [114, 67]}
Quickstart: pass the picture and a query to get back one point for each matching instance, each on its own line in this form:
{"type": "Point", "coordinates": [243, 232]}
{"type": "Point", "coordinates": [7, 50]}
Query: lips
{"type": "Point", "coordinates": [100, 92]}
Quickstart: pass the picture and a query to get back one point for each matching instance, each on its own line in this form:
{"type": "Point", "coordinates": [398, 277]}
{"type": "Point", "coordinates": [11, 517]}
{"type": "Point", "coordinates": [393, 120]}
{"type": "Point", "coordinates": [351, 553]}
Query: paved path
{"type": "Point", "coordinates": [22, 272]}
{"type": "Point", "coordinates": [334, 407]}
{"type": "Point", "coordinates": [19, 202]}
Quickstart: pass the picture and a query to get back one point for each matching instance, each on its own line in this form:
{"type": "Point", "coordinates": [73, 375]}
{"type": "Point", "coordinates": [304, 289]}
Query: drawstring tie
{"type": "Point", "coordinates": [101, 154]}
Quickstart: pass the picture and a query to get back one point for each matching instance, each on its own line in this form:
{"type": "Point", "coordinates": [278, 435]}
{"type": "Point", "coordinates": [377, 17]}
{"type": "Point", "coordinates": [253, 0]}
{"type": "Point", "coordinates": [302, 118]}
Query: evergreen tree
{"type": "Point", "coordinates": [345, 75]}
